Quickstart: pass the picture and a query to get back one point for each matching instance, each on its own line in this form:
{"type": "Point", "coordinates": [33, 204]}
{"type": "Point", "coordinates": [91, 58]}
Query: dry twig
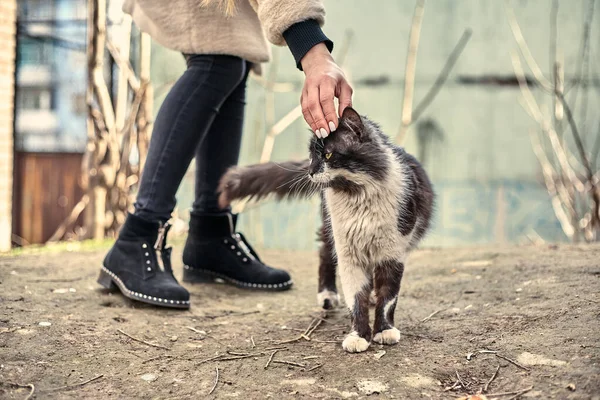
{"type": "Point", "coordinates": [510, 360]}
{"type": "Point", "coordinates": [315, 367]}
{"type": "Point", "coordinates": [67, 387]}
{"type": "Point", "coordinates": [487, 384]}
{"type": "Point", "coordinates": [240, 357]}
{"type": "Point", "coordinates": [216, 382]}
{"type": "Point", "coordinates": [460, 380]}
{"type": "Point", "coordinates": [158, 346]}
{"type": "Point", "coordinates": [270, 359]}
{"type": "Point", "coordinates": [209, 359]}
{"type": "Point", "coordinates": [314, 324]}
{"type": "Point", "coordinates": [295, 364]}
{"type": "Point", "coordinates": [191, 328]}
{"type": "Point", "coordinates": [235, 353]}
{"type": "Point", "coordinates": [427, 318]}
{"type": "Point", "coordinates": [27, 386]}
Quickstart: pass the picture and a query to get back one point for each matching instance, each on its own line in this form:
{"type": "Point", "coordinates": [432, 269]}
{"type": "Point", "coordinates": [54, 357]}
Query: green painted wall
{"type": "Point", "coordinates": [487, 178]}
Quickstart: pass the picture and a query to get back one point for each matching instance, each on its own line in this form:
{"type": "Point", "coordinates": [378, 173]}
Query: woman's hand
{"type": "Point", "coordinates": [324, 81]}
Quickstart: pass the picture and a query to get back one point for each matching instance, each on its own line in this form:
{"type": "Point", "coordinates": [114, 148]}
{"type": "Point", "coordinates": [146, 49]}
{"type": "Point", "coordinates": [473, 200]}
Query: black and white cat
{"type": "Point", "coordinates": [377, 204]}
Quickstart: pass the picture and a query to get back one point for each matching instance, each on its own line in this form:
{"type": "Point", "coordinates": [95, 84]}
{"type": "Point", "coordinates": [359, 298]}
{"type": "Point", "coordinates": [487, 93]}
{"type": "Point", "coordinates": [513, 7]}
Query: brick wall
{"type": "Point", "coordinates": [8, 9]}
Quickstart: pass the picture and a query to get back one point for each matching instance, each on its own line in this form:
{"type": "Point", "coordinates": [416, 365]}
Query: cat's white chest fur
{"type": "Point", "coordinates": [365, 226]}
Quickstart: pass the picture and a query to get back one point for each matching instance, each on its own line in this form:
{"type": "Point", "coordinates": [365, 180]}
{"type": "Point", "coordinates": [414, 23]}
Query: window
{"type": "Point", "coordinates": [34, 52]}
{"type": "Point", "coordinates": [33, 99]}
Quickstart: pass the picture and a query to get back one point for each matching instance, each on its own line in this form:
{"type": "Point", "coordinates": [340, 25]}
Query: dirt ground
{"type": "Point", "coordinates": [536, 306]}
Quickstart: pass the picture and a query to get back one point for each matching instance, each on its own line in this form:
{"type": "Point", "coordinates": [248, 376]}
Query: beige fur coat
{"type": "Point", "coordinates": [189, 27]}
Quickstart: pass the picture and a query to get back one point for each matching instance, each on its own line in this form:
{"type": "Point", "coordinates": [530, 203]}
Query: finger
{"type": "Point", "coordinates": [345, 98]}
{"type": "Point", "coordinates": [326, 97]}
{"type": "Point", "coordinates": [307, 115]}
{"type": "Point", "coordinates": [314, 106]}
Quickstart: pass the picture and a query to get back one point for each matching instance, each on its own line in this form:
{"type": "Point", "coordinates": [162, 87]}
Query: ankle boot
{"type": "Point", "coordinates": [139, 265]}
{"type": "Point", "coordinates": [214, 251]}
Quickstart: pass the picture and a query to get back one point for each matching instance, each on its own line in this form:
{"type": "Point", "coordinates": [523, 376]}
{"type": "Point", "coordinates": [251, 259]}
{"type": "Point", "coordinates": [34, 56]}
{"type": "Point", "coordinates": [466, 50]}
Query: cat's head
{"type": "Point", "coordinates": [350, 157]}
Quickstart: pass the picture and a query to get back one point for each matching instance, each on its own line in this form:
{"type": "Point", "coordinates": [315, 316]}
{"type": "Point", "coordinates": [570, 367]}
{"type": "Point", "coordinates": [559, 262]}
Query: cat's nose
{"type": "Point", "coordinates": [311, 174]}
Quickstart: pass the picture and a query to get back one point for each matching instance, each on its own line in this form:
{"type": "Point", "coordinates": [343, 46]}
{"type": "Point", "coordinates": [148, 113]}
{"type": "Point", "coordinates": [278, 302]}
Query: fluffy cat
{"type": "Point", "coordinates": [377, 204]}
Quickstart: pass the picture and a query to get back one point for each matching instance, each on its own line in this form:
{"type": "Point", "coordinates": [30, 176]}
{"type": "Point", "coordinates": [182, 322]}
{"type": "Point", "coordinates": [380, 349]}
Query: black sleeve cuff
{"type": "Point", "coordinates": [303, 36]}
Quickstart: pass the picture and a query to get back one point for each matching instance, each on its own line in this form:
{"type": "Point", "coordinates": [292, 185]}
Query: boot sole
{"type": "Point", "coordinates": [195, 275]}
{"type": "Point", "coordinates": [110, 281]}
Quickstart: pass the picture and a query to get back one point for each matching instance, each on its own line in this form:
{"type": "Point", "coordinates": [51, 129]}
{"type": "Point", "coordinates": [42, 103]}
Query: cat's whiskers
{"type": "Point", "coordinates": [290, 169]}
{"type": "Point", "coordinates": [292, 181]}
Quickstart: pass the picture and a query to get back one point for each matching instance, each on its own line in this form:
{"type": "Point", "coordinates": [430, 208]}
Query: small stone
{"type": "Point", "coordinates": [61, 290]}
{"type": "Point", "coordinates": [173, 338]}
{"type": "Point", "coordinates": [571, 387]}
{"type": "Point", "coordinates": [149, 377]}
{"type": "Point", "coordinates": [45, 323]}
{"type": "Point", "coordinates": [379, 354]}
{"type": "Point", "coordinates": [368, 387]}
{"type": "Point", "coordinates": [469, 307]}
{"type": "Point", "coordinates": [518, 290]}
{"type": "Point", "coordinates": [453, 271]}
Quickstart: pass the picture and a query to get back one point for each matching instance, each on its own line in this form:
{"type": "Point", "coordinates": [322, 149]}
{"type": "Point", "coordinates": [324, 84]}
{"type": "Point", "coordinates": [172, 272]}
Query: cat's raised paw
{"type": "Point", "coordinates": [354, 343]}
{"type": "Point", "coordinates": [328, 299]}
{"type": "Point", "coordinates": [387, 336]}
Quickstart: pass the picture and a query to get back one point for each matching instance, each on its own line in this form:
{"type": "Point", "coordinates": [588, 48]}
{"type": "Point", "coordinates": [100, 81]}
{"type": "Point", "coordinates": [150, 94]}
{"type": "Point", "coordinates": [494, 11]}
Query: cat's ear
{"type": "Point", "coordinates": [353, 121]}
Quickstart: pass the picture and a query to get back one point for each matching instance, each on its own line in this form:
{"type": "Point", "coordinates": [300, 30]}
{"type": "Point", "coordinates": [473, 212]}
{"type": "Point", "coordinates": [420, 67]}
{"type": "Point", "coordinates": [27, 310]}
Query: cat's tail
{"type": "Point", "coordinates": [282, 180]}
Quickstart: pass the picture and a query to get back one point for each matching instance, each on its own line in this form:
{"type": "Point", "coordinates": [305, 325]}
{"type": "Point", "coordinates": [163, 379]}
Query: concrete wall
{"type": "Point", "coordinates": [8, 10]}
{"type": "Point", "coordinates": [488, 181]}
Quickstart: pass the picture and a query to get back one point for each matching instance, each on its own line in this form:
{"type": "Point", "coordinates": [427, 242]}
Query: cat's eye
{"type": "Point", "coordinates": [328, 156]}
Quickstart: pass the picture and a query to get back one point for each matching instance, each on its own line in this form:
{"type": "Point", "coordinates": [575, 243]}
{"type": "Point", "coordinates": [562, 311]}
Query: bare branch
{"type": "Point", "coordinates": [534, 110]}
{"type": "Point", "coordinates": [549, 173]}
{"type": "Point", "coordinates": [410, 70]}
{"type": "Point", "coordinates": [576, 135]}
{"type": "Point", "coordinates": [516, 30]}
{"type": "Point", "coordinates": [75, 213]}
{"type": "Point", "coordinates": [586, 163]}
{"type": "Point", "coordinates": [124, 66]}
{"type": "Point", "coordinates": [443, 75]}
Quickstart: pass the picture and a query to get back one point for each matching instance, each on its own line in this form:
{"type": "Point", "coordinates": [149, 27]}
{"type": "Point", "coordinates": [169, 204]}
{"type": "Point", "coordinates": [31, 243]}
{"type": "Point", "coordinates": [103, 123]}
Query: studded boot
{"type": "Point", "coordinates": [215, 252]}
{"type": "Point", "coordinates": [139, 265]}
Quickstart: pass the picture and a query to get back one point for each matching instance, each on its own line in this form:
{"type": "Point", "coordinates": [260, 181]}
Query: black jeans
{"type": "Point", "coordinates": [202, 117]}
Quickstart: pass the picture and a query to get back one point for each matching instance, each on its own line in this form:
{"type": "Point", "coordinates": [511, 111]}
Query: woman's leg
{"type": "Point", "coordinates": [219, 149]}
{"type": "Point", "coordinates": [213, 248]}
{"type": "Point", "coordinates": [184, 120]}
{"type": "Point", "coordinates": [139, 262]}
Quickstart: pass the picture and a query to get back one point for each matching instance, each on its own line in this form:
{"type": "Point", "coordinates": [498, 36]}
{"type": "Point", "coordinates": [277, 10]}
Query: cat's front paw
{"type": "Point", "coordinates": [387, 336]}
{"type": "Point", "coordinates": [328, 299]}
{"type": "Point", "coordinates": [354, 343]}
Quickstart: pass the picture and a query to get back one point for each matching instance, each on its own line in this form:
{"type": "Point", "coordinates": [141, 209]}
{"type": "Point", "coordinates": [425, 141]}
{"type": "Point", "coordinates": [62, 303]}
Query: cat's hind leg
{"type": "Point", "coordinates": [387, 279]}
{"type": "Point", "coordinates": [327, 297]}
{"type": "Point", "coordinates": [357, 284]}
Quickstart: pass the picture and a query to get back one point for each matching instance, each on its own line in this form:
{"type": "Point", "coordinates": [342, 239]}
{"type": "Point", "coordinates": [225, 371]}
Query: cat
{"type": "Point", "coordinates": [377, 204]}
